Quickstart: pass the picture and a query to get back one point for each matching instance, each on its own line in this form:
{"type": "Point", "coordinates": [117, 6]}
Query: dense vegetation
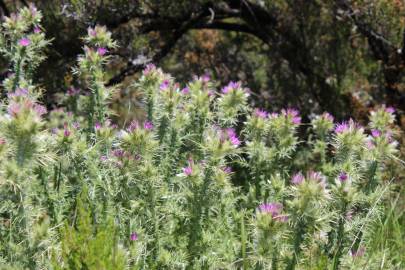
{"type": "Point", "coordinates": [202, 180]}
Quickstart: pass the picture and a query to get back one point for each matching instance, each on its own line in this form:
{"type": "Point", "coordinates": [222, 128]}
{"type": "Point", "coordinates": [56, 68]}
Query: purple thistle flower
{"type": "Point", "coordinates": [164, 85]}
{"type": "Point", "coordinates": [133, 236]}
{"type": "Point", "coordinates": [19, 92]}
{"type": "Point", "coordinates": [39, 109]}
{"type": "Point", "coordinates": [101, 51]}
{"type": "Point", "coordinates": [296, 120]}
{"type": "Point", "coordinates": [227, 169]}
{"type": "Point", "coordinates": [185, 91]}
{"type": "Point", "coordinates": [293, 114]}
{"type": "Point", "coordinates": [66, 133]}
{"type": "Point", "coordinates": [235, 141]}
{"type": "Point", "coordinates": [315, 176]}
{"type": "Point", "coordinates": [370, 145]}
{"type": "Point", "coordinates": [187, 170]}
{"type": "Point", "coordinates": [37, 30]}
{"type": "Point", "coordinates": [390, 109]}
{"type": "Point", "coordinates": [97, 126]}
{"type": "Point", "coordinates": [297, 178]}
{"type": "Point", "coordinates": [103, 158]}
{"type": "Point", "coordinates": [388, 135]}
{"type": "Point", "coordinates": [231, 132]}
{"type": "Point", "coordinates": [118, 153]}
{"type": "Point", "coordinates": [24, 42]}
{"type": "Point", "coordinates": [134, 125]}
{"type": "Point", "coordinates": [13, 109]}
{"type": "Point", "coordinates": [342, 127]}
{"type": "Point", "coordinates": [261, 113]}
{"type": "Point", "coordinates": [231, 86]}
{"type": "Point", "coordinates": [148, 69]}
{"type": "Point", "coordinates": [205, 78]}
{"type": "Point", "coordinates": [76, 125]}
{"type": "Point", "coordinates": [273, 115]}
{"type": "Point", "coordinates": [72, 91]}
{"type": "Point", "coordinates": [91, 32]}
{"type": "Point", "coordinates": [271, 208]}
{"type": "Point", "coordinates": [328, 116]}
{"type": "Point", "coordinates": [343, 177]}
{"type": "Point", "coordinates": [375, 133]}
{"type": "Point", "coordinates": [148, 125]}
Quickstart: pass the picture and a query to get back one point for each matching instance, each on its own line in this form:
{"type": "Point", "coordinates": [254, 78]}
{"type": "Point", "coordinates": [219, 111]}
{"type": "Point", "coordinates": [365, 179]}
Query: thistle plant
{"type": "Point", "coordinates": [80, 192]}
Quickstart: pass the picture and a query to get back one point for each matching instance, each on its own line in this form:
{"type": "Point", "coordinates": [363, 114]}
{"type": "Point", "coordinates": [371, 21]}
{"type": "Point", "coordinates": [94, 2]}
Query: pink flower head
{"type": "Point", "coordinates": [39, 109]}
{"type": "Point", "coordinates": [233, 139]}
{"type": "Point", "coordinates": [19, 92]}
{"type": "Point", "coordinates": [231, 132]}
{"type": "Point", "coordinates": [388, 135]}
{"type": "Point", "coordinates": [72, 91]}
{"type": "Point", "coordinates": [375, 133]}
{"type": "Point", "coordinates": [148, 69]}
{"type": "Point", "coordinates": [37, 30]}
{"type": "Point", "coordinates": [227, 169]}
{"type": "Point", "coordinates": [315, 176]}
{"type": "Point", "coordinates": [342, 127]}
{"type": "Point", "coordinates": [189, 169]}
{"type": "Point", "coordinates": [103, 158]}
{"type": "Point", "coordinates": [261, 113]}
{"type": "Point", "coordinates": [390, 109]}
{"type": "Point", "coordinates": [164, 85]}
{"type": "Point", "coordinates": [76, 125]}
{"type": "Point", "coordinates": [328, 116]}
{"type": "Point", "coordinates": [231, 86]}
{"type": "Point", "coordinates": [134, 125]}
{"type": "Point", "coordinates": [133, 236]}
{"type": "Point", "coordinates": [205, 78]}
{"type": "Point", "coordinates": [97, 126]}
{"type": "Point", "coordinates": [33, 9]}
{"type": "Point", "coordinates": [14, 109]}
{"type": "Point", "coordinates": [91, 32]}
{"type": "Point", "coordinates": [24, 42]}
{"type": "Point", "coordinates": [343, 177]}
{"type": "Point", "coordinates": [370, 145]}
{"type": "Point", "coordinates": [271, 208]}
{"type": "Point", "coordinates": [148, 125]}
{"type": "Point", "coordinates": [297, 178]}
{"type": "Point", "coordinates": [66, 133]}
{"type": "Point", "coordinates": [118, 153]}
{"type": "Point", "coordinates": [2, 141]}
{"type": "Point", "coordinates": [101, 51]}
{"type": "Point", "coordinates": [185, 91]}
{"type": "Point", "coordinates": [294, 115]}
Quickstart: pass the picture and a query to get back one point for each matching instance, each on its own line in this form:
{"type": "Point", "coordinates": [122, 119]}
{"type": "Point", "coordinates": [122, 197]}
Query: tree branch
{"type": "Point", "coordinates": [380, 46]}
{"type": "Point", "coordinates": [4, 8]}
{"type": "Point", "coordinates": [179, 31]}
{"type": "Point", "coordinates": [226, 26]}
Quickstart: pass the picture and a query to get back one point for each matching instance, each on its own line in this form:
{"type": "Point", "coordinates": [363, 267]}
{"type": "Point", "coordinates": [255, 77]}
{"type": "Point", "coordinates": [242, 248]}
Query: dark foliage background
{"type": "Point", "coordinates": [340, 56]}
